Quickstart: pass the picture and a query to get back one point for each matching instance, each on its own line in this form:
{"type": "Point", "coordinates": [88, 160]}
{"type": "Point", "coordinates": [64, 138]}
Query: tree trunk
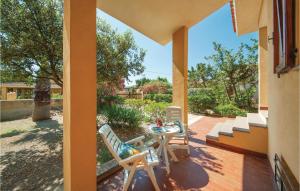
{"type": "Point", "coordinates": [42, 100]}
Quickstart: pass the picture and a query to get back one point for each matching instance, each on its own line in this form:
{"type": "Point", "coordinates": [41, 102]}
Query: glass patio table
{"type": "Point", "coordinates": [164, 135]}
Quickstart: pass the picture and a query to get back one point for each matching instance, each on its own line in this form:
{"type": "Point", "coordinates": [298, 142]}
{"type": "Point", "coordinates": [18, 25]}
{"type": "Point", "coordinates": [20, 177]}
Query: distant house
{"type": "Point", "coordinates": [21, 90]}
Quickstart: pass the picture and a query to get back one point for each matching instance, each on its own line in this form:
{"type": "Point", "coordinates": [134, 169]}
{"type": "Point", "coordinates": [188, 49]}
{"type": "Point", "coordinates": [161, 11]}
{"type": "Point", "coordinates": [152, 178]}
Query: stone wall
{"type": "Point", "coordinates": [18, 109]}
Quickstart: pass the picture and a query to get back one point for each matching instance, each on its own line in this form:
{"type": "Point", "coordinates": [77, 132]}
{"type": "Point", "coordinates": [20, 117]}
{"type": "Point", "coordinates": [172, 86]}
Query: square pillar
{"type": "Point", "coordinates": [79, 95]}
{"type": "Point", "coordinates": [263, 68]}
{"type": "Point", "coordinates": [180, 71]}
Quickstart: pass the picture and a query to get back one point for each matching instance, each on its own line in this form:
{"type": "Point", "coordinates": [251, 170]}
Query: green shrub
{"type": "Point", "coordinates": [246, 99]}
{"type": "Point", "coordinates": [111, 100]}
{"type": "Point", "coordinates": [149, 97]}
{"type": "Point", "coordinates": [155, 110]}
{"type": "Point", "coordinates": [118, 116]}
{"type": "Point", "coordinates": [56, 96]}
{"type": "Point", "coordinates": [138, 104]}
{"type": "Point", "coordinates": [159, 97]}
{"type": "Point", "coordinates": [201, 100]}
{"type": "Point", "coordinates": [104, 155]}
{"type": "Point", "coordinates": [229, 110]}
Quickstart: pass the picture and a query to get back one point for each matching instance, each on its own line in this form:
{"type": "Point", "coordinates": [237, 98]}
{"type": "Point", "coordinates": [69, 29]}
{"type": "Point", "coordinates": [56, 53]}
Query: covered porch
{"type": "Point", "coordinates": [162, 21]}
{"type": "Point", "coordinates": [207, 168]}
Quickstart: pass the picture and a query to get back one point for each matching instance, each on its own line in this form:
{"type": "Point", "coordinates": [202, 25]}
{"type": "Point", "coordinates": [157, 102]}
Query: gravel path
{"type": "Point", "coordinates": [31, 159]}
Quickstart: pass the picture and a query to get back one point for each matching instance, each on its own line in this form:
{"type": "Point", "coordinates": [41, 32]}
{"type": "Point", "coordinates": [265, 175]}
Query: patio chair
{"type": "Point", "coordinates": [146, 159]}
{"type": "Point", "coordinates": [174, 114]}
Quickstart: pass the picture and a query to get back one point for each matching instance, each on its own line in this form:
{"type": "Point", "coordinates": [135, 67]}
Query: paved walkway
{"type": "Point", "coordinates": [207, 168]}
{"type": "Point", "coordinates": [193, 118]}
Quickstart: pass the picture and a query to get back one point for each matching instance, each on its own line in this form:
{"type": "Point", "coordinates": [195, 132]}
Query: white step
{"type": "Point", "coordinates": [256, 119]}
{"type": "Point", "coordinates": [226, 128]}
{"type": "Point", "coordinates": [264, 113]}
{"type": "Point", "coordinates": [241, 124]}
{"type": "Point", "coordinates": [214, 132]}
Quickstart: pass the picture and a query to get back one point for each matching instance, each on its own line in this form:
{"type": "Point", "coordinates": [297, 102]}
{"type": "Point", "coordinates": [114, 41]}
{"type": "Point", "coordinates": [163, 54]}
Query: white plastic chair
{"type": "Point", "coordinates": [145, 160]}
{"type": "Point", "coordinates": [173, 113]}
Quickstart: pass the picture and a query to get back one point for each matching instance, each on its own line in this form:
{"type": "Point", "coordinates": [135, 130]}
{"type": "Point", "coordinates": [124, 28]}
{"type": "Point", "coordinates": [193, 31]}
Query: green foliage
{"type": "Point", "coordinates": [156, 110]}
{"type": "Point", "coordinates": [230, 110]}
{"type": "Point", "coordinates": [142, 81]}
{"type": "Point", "coordinates": [56, 96]}
{"type": "Point", "coordinates": [32, 45]}
{"type": "Point", "coordinates": [104, 155]}
{"type": "Point", "coordinates": [138, 104]}
{"type": "Point", "coordinates": [161, 79]}
{"type": "Point", "coordinates": [118, 116]}
{"type": "Point", "coordinates": [200, 76]}
{"type": "Point", "coordinates": [159, 85]}
{"type": "Point", "coordinates": [231, 75]}
{"type": "Point", "coordinates": [201, 100]}
{"type": "Point", "coordinates": [151, 110]}
{"type": "Point", "coordinates": [112, 100]}
{"type": "Point", "coordinates": [31, 40]}
{"type": "Point", "coordinates": [159, 97]}
{"type": "Point", "coordinates": [118, 56]}
{"type": "Point", "coordinates": [25, 94]}
{"type": "Point", "coordinates": [246, 98]}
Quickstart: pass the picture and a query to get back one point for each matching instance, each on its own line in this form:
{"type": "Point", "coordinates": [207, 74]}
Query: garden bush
{"type": "Point", "coordinates": [138, 104]}
{"type": "Point", "coordinates": [112, 100]}
{"type": "Point", "coordinates": [201, 100]}
{"type": "Point", "coordinates": [155, 110]}
{"type": "Point", "coordinates": [119, 116]}
{"type": "Point", "coordinates": [230, 110]}
{"type": "Point", "coordinates": [159, 97]}
{"type": "Point", "coordinates": [247, 99]}
{"type": "Point", "coordinates": [155, 87]}
{"type": "Point", "coordinates": [56, 96]}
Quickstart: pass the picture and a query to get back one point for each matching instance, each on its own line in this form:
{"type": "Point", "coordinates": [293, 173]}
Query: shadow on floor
{"type": "Point", "coordinates": [185, 175]}
{"type": "Point", "coordinates": [252, 166]}
{"type": "Point", "coordinates": [48, 132]}
{"type": "Point", "coordinates": [31, 170]}
{"type": "Point", "coordinates": [208, 167]}
{"type": "Point", "coordinates": [34, 161]}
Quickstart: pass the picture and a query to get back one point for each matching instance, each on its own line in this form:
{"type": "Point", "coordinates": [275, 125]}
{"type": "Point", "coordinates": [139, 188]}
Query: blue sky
{"type": "Point", "coordinates": [158, 61]}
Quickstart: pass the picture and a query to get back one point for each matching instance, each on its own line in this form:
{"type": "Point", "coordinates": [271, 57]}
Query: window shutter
{"type": "Point", "coordinates": [284, 35]}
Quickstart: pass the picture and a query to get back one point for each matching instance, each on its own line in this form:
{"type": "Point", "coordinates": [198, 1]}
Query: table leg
{"type": "Point", "coordinates": [173, 156]}
{"type": "Point", "coordinates": [166, 156]}
{"type": "Point", "coordinates": [159, 149]}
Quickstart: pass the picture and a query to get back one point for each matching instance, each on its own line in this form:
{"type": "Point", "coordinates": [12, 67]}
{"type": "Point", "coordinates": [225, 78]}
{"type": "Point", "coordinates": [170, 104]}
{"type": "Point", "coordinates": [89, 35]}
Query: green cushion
{"type": "Point", "coordinates": [127, 150]}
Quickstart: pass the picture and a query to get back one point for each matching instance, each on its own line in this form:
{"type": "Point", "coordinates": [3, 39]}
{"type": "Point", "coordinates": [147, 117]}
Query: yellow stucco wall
{"type": "Point", "coordinates": [263, 67]}
{"type": "Point", "coordinates": [256, 140]}
{"type": "Point", "coordinates": [180, 70]}
{"type": "Point", "coordinates": [283, 92]}
{"type": "Point", "coordinates": [3, 93]}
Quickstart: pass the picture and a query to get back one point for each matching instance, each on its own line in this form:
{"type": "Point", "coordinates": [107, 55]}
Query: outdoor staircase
{"type": "Point", "coordinates": [243, 134]}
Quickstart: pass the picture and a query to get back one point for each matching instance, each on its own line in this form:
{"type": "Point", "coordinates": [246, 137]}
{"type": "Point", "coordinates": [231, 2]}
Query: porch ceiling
{"type": "Point", "coordinates": [159, 19]}
{"type": "Point", "coordinates": [247, 15]}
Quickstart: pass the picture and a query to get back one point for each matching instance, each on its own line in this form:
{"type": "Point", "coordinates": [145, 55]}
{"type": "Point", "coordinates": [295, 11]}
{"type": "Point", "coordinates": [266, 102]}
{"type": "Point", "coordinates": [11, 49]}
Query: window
{"type": "Point", "coordinates": [284, 35]}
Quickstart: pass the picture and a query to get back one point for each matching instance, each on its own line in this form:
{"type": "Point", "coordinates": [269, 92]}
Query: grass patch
{"type": "Point", "coordinates": [11, 133]}
{"type": "Point", "coordinates": [104, 155]}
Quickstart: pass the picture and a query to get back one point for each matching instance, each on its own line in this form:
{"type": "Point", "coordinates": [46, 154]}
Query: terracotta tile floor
{"type": "Point", "coordinates": [208, 168]}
